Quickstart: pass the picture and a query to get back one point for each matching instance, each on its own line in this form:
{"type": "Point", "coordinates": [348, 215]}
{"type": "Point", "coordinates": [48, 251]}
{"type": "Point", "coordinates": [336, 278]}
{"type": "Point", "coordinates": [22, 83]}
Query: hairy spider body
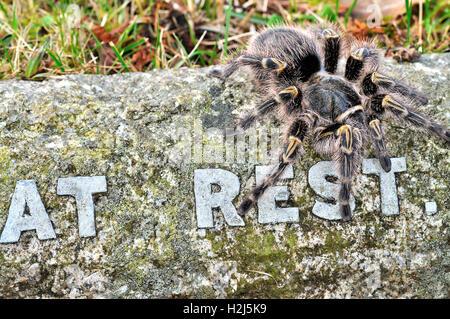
{"type": "Point", "coordinates": [296, 69]}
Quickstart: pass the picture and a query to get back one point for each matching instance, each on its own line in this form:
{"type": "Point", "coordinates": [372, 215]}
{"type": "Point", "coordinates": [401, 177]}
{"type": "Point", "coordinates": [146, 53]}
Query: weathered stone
{"type": "Point", "coordinates": [131, 128]}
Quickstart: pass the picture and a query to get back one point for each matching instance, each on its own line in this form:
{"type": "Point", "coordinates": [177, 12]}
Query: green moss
{"type": "Point", "coordinates": [335, 243]}
{"type": "Point", "coordinates": [261, 254]}
{"type": "Point", "coordinates": [291, 238]}
{"type": "Point", "coordinates": [5, 158]}
{"type": "Point", "coordinates": [260, 288]}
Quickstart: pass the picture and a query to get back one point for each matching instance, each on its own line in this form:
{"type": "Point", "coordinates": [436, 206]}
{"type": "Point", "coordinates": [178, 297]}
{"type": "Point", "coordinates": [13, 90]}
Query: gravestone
{"type": "Point", "coordinates": [146, 134]}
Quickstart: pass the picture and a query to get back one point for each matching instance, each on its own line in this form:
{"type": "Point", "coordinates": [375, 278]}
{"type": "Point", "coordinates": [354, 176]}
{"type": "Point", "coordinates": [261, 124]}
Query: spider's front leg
{"type": "Point", "coordinates": [288, 97]}
{"type": "Point", "coordinates": [259, 63]}
{"type": "Point", "coordinates": [262, 63]}
{"type": "Point", "coordinates": [297, 132]}
{"type": "Point", "coordinates": [348, 155]}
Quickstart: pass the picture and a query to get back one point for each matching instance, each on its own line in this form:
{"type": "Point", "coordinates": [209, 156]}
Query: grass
{"type": "Point", "coordinates": [408, 6]}
{"type": "Point", "coordinates": [42, 38]}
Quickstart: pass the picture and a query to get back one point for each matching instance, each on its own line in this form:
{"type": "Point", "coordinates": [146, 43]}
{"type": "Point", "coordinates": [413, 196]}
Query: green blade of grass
{"type": "Point", "coordinates": [97, 48]}
{"type": "Point", "coordinates": [125, 35]}
{"type": "Point", "coordinates": [55, 57]}
{"type": "Point", "coordinates": [3, 9]}
{"type": "Point", "coordinates": [119, 56]}
{"type": "Point", "coordinates": [254, 19]}
{"type": "Point", "coordinates": [194, 50]}
{"type": "Point", "coordinates": [35, 61]}
{"type": "Point", "coordinates": [133, 45]}
{"type": "Point", "coordinates": [14, 23]}
{"type": "Point", "coordinates": [194, 40]}
{"type": "Point", "coordinates": [408, 6]}
{"type": "Point", "coordinates": [185, 59]}
{"type": "Point", "coordinates": [227, 28]}
{"type": "Point", "coordinates": [4, 44]}
{"type": "Point", "coordinates": [275, 20]}
{"type": "Point", "coordinates": [328, 13]}
{"type": "Point", "coordinates": [349, 12]}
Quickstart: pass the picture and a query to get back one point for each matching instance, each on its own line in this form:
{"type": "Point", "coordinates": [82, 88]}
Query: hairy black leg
{"type": "Point", "coordinates": [355, 63]}
{"type": "Point", "coordinates": [372, 81]}
{"type": "Point", "coordinates": [285, 96]}
{"type": "Point", "coordinates": [264, 63]}
{"type": "Point", "coordinates": [297, 132]}
{"type": "Point", "coordinates": [332, 48]}
{"type": "Point", "coordinates": [322, 132]}
{"type": "Point", "coordinates": [225, 71]}
{"type": "Point", "coordinates": [349, 140]}
{"type": "Point", "coordinates": [385, 102]}
{"type": "Point", "coordinates": [376, 133]}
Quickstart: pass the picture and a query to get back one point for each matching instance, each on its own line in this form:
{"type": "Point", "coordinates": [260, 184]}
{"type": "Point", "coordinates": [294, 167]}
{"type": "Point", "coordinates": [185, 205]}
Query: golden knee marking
{"type": "Point", "coordinates": [325, 135]}
{"type": "Point", "coordinates": [378, 78]}
{"type": "Point", "coordinates": [359, 54]}
{"type": "Point", "coordinates": [348, 136]}
{"type": "Point", "coordinates": [349, 112]}
{"type": "Point", "coordinates": [329, 33]}
{"type": "Point", "coordinates": [264, 63]}
{"type": "Point", "coordinates": [319, 131]}
{"type": "Point", "coordinates": [295, 139]}
{"type": "Point", "coordinates": [277, 99]}
{"type": "Point", "coordinates": [286, 159]}
{"type": "Point", "coordinates": [310, 116]}
{"type": "Point", "coordinates": [281, 65]}
{"type": "Point", "coordinates": [293, 144]}
{"type": "Point", "coordinates": [316, 78]}
{"type": "Point", "coordinates": [388, 101]}
{"type": "Point", "coordinates": [376, 128]}
{"type": "Point", "coordinates": [290, 90]}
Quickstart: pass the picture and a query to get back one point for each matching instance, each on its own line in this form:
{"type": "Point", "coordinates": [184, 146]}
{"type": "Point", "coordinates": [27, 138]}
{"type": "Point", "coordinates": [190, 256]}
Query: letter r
{"type": "Point", "coordinates": [206, 200]}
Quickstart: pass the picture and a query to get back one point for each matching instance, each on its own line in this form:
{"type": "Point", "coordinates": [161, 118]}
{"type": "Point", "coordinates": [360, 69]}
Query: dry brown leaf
{"type": "Point", "coordinates": [141, 58]}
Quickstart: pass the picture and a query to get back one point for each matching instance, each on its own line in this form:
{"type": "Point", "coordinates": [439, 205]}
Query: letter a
{"type": "Point", "coordinates": [26, 194]}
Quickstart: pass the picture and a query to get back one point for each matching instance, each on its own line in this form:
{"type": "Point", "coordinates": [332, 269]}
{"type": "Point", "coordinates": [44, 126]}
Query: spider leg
{"type": "Point", "coordinates": [285, 96]}
{"type": "Point", "coordinates": [331, 49]}
{"type": "Point", "coordinates": [258, 62]}
{"type": "Point", "coordinates": [297, 132]}
{"type": "Point", "coordinates": [224, 72]}
{"type": "Point", "coordinates": [373, 81]}
{"type": "Point", "coordinates": [385, 102]}
{"type": "Point", "coordinates": [356, 61]}
{"type": "Point", "coordinates": [350, 143]}
{"type": "Point", "coordinates": [263, 63]}
{"type": "Point", "coordinates": [376, 133]}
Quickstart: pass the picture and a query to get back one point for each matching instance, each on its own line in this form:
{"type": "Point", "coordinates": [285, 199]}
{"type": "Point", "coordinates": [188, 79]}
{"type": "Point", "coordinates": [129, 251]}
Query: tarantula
{"type": "Point", "coordinates": [296, 69]}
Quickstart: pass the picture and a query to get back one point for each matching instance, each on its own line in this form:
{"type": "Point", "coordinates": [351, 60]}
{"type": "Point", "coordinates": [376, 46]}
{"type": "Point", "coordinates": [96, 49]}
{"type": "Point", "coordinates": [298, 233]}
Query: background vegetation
{"type": "Point", "coordinates": [42, 38]}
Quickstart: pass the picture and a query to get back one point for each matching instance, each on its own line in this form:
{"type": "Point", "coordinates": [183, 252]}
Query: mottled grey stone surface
{"type": "Point", "coordinates": [148, 245]}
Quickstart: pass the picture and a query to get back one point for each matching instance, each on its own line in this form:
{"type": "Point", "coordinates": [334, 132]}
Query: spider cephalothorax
{"type": "Point", "coordinates": [296, 71]}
